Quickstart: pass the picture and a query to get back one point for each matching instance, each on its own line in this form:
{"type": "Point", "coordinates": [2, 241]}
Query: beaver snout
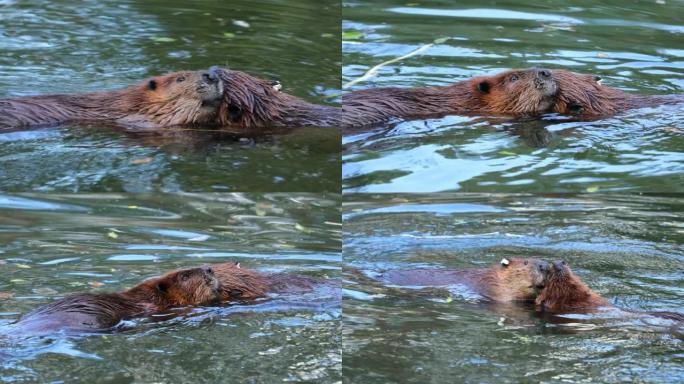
{"type": "Point", "coordinates": [207, 270]}
{"type": "Point", "coordinates": [559, 267]}
{"type": "Point", "coordinates": [543, 266]}
{"type": "Point", "coordinates": [210, 77]}
{"type": "Point", "coordinates": [543, 73]}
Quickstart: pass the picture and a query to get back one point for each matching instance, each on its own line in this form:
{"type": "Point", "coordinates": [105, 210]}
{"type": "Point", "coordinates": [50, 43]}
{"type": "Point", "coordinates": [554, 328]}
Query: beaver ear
{"type": "Point", "coordinates": [505, 262]}
{"type": "Point", "coordinates": [162, 287]}
{"type": "Point", "coordinates": [152, 85]}
{"type": "Point", "coordinates": [483, 86]}
{"type": "Point", "coordinates": [275, 84]}
{"type": "Point", "coordinates": [237, 264]}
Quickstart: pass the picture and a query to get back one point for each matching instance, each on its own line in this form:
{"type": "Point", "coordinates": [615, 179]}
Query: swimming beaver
{"type": "Point", "coordinates": [565, 292]}
{"type": "Point", "coordinates": [509, 280]}
{"type": "Point", "coordinates": [249, 102]}
{"type": "Point", "coordinates": [91, 312]}
{"type": "Point", "coordinates": [176, 99]}
{"type": "Point", "coordinates": [237, 283]}
{"type": "Point", "coordinates": [517, 92]}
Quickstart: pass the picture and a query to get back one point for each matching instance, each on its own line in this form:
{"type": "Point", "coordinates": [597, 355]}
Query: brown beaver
{"type": "Point", "coordinates": [179, 98]}
{"type": "Point", "coordinates": [584, 96]}
{"type": "Point", "coordinates": [91, 312]}
{"type": "Point", "coordinates": [518, 92]}
{"type": "Point", "coordinates": [515, 92]}
{"type": "Point", "coordinates": [239, 284]}
{"type": "Point", "coordinates": [249, 102]}
{"type": "Point", "coordinates": [509, 280]}
{"type": "Point", "coordinates": [565, 292]}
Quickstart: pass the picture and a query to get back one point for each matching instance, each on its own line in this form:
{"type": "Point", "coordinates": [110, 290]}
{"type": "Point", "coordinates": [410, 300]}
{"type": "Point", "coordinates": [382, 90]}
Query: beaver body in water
{"type": "Point", "coordinates": [566, 293]}
{"type": "Point", "coordinates": [251, 103]}
{"type": "Point", "coordinates": [240, 284]}
{"type": "Point", "coordinates": [93, 312]}
{"type": "Point", "coordinates": [509, 280]}
{"type": "Point", "coordinates": [176, 99]}
{"type": "Point", "coordinates": [518, 92]}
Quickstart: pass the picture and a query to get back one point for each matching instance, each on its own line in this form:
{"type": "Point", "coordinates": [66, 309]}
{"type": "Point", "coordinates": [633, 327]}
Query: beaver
{"type": "Point", "coordinates": [513, 279]}
{"type": "Point", "coordinates": [96, 312]}
{"type": "Point", "coordinates": [583, 96]}
{"type": "Point", "coordinates": [176, 99]}
{"type": "Point", "coordinates": [565, 292]}
{"type": "Point", "coordinates": [249, 102]}
{"type": "Point", "coordinates": [517, 92]}
{"type": "Point", "coordinates": [242, 284]}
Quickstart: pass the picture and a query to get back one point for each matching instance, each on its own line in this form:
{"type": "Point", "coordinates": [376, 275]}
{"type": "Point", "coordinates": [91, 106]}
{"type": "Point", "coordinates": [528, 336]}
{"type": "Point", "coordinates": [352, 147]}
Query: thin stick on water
{"type": "Point", "coordinates": [374, 70]}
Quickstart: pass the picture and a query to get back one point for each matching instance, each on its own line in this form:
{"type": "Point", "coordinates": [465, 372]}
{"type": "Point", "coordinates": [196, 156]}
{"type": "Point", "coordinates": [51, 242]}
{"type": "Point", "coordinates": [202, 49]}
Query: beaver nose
{"type": "Point", "coordinates": [210, 77]}
{"type": "Point", "coordinates": [213, 73]}
{"type": "Point", "coordinates": [545, 73]}
{"type": "Point", "coordinates": [207, 269]}
{"type": "Point", "coordinates": [543, 266]}
{"type": "Point", "coordinates": [558, 265]}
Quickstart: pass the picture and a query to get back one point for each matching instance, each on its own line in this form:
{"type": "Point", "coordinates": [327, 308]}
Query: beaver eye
{"type": "Point", "coordinates": [180, 79]}
{"type": "Point", "coordinates": [513, 78]}
{"type": "Point", "coordinates": [575, 108]}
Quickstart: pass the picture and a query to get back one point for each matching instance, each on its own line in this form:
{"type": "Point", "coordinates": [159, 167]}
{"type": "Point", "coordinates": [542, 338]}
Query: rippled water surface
{"type": "Point", "coordinates": [628, 248]}
{"type": "Point", "coordinates": [636, 48]}
{"type": "Point", "coordinates": [52, 245]}
{"type": "Point", "coordinates": [76, 46]}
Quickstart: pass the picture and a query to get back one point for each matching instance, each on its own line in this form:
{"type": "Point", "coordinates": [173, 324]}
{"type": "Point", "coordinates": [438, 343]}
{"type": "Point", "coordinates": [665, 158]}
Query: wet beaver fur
{"type": "Point", "coordinates": [584, 96]}
{"type": "Point", "coordinates": [237, 283]}
{"type": "Point", "coordinates": [565, 292]}
{"type": "Point", "coordinates": [91, 312]}
{"type": "Point", "coordinates": [509, 280]}
{"type": "Point", "coordinates": [176, 99]}
{"type": "Point", "coordinates": [249, 103]}
{"type": "Point", "coordinates": [518, 92]}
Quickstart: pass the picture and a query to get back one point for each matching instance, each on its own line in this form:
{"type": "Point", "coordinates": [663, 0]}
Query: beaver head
{"type": "Point", "coordinates": [564, 291]}
{"type": "Point", "coordinates": [518, 279]}
{"type": "Point", "coordinates": [584, 95]}
{"type": "Point", "coordinates": [236, 283]}
{"type": "Point", "coordinates": [518, 91]}
{"type": "Point", "coordinates": [249, 101]}
{"type": "Point", "coordinates": [182, 98]}
{"type": "Point", "coordinates": [193, 286]}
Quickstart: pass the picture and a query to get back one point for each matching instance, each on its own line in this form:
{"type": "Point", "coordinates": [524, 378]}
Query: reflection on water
{"type": "Point", "coordinates": [627, 248]}
{"type": "Point", "coordinates": [53, 245]}
{"type": "Point", "coordinates": [74, 46]}
{"type": "Point", "coordinates": [638, 151]}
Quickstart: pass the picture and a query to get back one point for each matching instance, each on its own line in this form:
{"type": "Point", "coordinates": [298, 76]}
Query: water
{"type": "Point", "coordinates": [58, 244]}
{"type": "Point", "coordinates": [627, 248]}
{"type": "Point", "coordinates": [637, 49]}
{"type": "Point", "coordinates": [75, 46]}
